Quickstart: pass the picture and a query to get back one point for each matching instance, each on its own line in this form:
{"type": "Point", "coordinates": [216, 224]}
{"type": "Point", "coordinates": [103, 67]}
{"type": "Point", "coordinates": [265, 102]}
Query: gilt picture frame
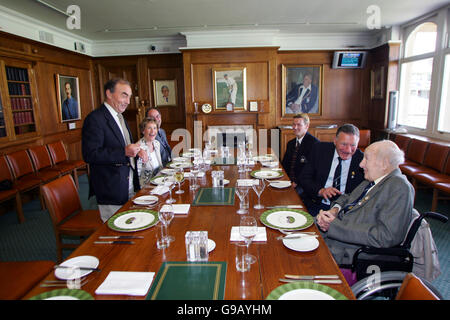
{"type": "Point", "coordinates": [230, 88]}
{"type": "Point", "coordinates": [68, 98]}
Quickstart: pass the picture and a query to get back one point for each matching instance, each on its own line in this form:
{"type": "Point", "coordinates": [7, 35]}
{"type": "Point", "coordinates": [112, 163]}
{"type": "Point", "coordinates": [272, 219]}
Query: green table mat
{"type": "Point", "coordinates": [214, 197]}
{"type": "Point", "coordinates": [181, 280]}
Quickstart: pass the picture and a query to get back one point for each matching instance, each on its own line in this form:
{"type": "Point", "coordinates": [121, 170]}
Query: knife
{"type": "Point", "coordinates": [290, 206]}
{"type": "Point", "coordinates": [121, 237]}
{"type": "Point", "coordinates": [77, 267]}
{"type": "Point", "coordinates": [303, 277]}
{"type": "Point", "coordinates": [113, 242]}
{"type": "Point", "coordinates": [315, 281]}
{"type": "Point", "coordinates": [297, 237]}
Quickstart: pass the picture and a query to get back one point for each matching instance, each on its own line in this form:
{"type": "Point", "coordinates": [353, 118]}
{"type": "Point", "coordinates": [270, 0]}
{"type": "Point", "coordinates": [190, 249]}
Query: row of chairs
{"type": "Point", "coordinates": [28, 169]}
{"type": "Point", "coordinates": [426, 164]}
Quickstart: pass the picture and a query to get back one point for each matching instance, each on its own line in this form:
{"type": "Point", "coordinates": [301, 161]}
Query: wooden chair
{"type": "Point", "coordinates": [43, 164]}
{"type": "Point", "coordinates": [413, 288]}
{"type": "Point", "coordinates": [18, 278]}
{"type": "Point", "coordinates": [364, 139]}
{"type": "Point", "coordinates": [24, 177]}
{"type": "Point", "coordinates": [68, 217]}
{"type": "Point", "coordinates": [62, 163]}
{"type": "Point", "coordinates": [14, 193]}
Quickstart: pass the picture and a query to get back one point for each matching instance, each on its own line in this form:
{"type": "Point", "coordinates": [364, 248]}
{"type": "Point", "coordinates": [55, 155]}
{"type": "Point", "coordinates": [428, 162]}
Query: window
{"type": "Point", "coordinates": [424, 82]}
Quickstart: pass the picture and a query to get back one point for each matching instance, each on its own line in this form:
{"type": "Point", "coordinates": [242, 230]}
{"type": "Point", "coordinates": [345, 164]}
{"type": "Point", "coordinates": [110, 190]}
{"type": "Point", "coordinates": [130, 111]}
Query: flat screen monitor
{"type": "Point", "coordinates": [349, 59]}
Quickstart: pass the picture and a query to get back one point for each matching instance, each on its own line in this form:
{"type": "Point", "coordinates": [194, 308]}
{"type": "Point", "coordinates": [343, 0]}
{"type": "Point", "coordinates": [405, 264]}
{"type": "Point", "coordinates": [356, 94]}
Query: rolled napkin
{"type": "Point", "coordinates": [261, 234]}
{"type": "Point", "coordinates": [127, 283]}
{"type": "Point", "coordinates": [159, 190]}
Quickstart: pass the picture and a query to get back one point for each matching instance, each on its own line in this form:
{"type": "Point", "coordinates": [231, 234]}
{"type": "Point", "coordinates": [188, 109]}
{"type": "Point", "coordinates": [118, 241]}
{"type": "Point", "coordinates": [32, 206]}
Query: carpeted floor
{"type": "Point", "coordinates": [34, 239]}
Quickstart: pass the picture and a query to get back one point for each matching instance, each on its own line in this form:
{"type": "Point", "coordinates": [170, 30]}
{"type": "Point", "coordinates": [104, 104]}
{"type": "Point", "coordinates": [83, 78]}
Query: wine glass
{"type": "Point", "coordinates": [258, 187]}
{"type": "Point", "coordinates": [241, 192]}
{"type": "Point", "coordinates": [165, 215]}
{"type": "Point", "coordinates": [169, 182]}
{"type": "Point", "coordinates": [194, 172]}
{"type": "Point", "coordinates": [248, 229]}
{"type": "Point", "coordinates": [179, 175]}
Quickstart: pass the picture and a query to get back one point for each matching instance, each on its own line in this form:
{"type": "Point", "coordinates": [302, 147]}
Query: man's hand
{"type": "Point", "coordinates": [329, 192]}
{"type": "Point", "coordinates": [143, 155]}
{"type": "Point", "coordinates": [132, 150]}
{"type": "Point", "coordinates": [324, 218]}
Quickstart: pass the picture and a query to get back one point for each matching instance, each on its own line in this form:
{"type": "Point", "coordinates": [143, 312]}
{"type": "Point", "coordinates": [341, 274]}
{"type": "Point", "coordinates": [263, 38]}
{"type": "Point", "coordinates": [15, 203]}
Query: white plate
{"type": "Point", "coordinates": [263, 158]}
{"type": "Point", "coordinates": [62, 298]}
{"type": "Point", "coordinates": [180, 159]}
{"type": "Point", "coordinates": [145, 200]}
{"type": "Point", "coordinates": [267, 174]}
{"type": "Point", "coordinates": [160, 180]}
{"type": "Point", "coordinates": [303, 244]}
{"type": "Point", "coordinates": [188, 154]}
{"type": "Point", "coordinates": [134, 220]}
{"type": "Point", "coordinates": [168, 172]}
{"type": "Point", "coordinates": [305, 294]}
{"type": "Point", "coordinates": [280, 184]}
{"type": "Point", "coordinates": [281, 220]}
{"type": "Point", "coordinates": [80, 261]}
{"type": "Point", "coordinates": [211, 245]}
{"type": "Point", "coordinates": [270, 164]}
{"type": "Point", "coordinates": [183, 164]}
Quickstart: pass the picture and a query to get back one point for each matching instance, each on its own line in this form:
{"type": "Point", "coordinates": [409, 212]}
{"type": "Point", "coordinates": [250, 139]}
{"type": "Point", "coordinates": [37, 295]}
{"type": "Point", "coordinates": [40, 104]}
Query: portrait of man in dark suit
{"type": "Point", "coordinates": [69, 96]}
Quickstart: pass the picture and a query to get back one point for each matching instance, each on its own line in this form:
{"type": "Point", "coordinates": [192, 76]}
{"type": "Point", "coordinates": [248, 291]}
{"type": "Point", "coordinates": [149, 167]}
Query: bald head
{"type": "Point", "coordinates": [381, 158]}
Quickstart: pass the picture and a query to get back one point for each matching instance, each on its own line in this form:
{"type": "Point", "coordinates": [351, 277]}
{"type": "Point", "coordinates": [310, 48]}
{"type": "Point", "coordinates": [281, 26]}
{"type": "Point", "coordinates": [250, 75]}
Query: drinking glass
{"type": "Point", "coordinates": [194, 172]}
{"type": "Point", "coordinates": [248, 229]}
{"type": "Point", "coordinates": [169, 182]}
{"type": "Point", "coordinates": [165, 215]}
{"type": "Point", "coordinates": [179, 175]}
{"type": "Point", "coordinates": [259, 188]}
{"type": "Point", "coordinates": [241, 192]}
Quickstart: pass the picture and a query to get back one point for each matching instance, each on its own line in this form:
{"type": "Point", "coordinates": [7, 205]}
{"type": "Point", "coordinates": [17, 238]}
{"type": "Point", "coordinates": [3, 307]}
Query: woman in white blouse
{"type": "Point", "coordinates": [148, 168]}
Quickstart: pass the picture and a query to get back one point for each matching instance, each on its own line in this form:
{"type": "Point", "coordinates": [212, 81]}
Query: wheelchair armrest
{"type": "Point", "coordinates": [393, 251]}
{"type": "Point", "coordinates": [436, 215]}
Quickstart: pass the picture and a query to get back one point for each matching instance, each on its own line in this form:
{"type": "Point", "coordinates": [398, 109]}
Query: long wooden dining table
{"type": "Point", "coordinates": [274, 260]}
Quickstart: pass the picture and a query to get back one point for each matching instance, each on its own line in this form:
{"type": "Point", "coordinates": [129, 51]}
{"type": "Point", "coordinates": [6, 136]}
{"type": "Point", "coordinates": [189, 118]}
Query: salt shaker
{"type": "Point", "coordinates": [203, 246]}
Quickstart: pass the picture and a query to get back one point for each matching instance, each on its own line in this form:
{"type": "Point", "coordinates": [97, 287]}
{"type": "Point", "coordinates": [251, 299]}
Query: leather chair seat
{"type": "Point", "coordinates": [27, 182]}
{"type": "Point", "coordinates": [7, 194]}
{"type": "Point", "coordinates": [431, 177]}
{"type": "Point", "coordinates": [443, 186]}
{"type": "Point", "coordinates": [18, 278]}
{"type": "Point", "coordinates": [86, 221]}
{"type": "Point", "coordinates": [412, 169]}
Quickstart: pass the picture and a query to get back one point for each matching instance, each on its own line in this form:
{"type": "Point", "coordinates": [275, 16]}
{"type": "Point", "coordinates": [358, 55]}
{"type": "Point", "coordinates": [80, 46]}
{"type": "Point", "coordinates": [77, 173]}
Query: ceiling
{"type": "Point", "coordinates": [138, 19]}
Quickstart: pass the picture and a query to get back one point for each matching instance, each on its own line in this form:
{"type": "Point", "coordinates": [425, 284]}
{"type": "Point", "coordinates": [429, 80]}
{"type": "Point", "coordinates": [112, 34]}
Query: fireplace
{"type": "Point", "coordinates": [230, 135]}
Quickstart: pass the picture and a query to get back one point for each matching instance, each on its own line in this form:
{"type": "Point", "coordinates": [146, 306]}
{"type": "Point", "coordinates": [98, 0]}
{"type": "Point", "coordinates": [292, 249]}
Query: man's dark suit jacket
{"type": "Point", "coordinates": [302, 156]}
{"type": "Point", "coordinates": [103, 148]}
{"type": "Point", "coordinates": [166, 151]}
{"type": "Point", "coordinates": [314, 175]}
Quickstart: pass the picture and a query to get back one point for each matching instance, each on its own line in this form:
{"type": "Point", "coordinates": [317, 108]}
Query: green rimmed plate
{"type": "Point", "coordinates": [184, 164]}
{"type": "Point", "coordinates": [305, 291]}
{"type": "Point", "coordinates": [266, 174]}
{"type": "Point", "coordinates": [133, 220]}
{"type": "Point", "coordinates": [286, 219]}
{"type": "Point", "coordinates": [63, 294]}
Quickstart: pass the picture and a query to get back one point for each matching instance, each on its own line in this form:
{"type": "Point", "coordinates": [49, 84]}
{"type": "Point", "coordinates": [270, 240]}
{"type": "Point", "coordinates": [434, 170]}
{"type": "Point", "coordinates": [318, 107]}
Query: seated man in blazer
{"type": "Point", "coordinates": [333, 169]}
{"type": "Point", "coordinates": [166, 151]}
{"type": "Point", "coordinates": [377, 213]}
{"type": "Point", "coordinates": [298, 149]}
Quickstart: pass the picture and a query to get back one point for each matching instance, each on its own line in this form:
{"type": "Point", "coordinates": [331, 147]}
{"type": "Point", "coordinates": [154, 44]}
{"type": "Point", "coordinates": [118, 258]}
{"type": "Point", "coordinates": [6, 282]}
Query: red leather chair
{"type": "Point", "coordinates": [66, 212]}
{"type": "Point", "coordinates": [413, 288]}
{"type": "Point", "coordinates": [402, 142]}
{"type": "Point", "coordinates": [61, 161]}
{"type": "Point", "coordinates": [414, 157]}
{"type": "Point", "coordinates": [18, 278]}
{"type": "Point", "coordinates": [14, 193]}
{"type": "Point", "coordinates": [364, 139]}
{"type": "Point", "coordinates": [43, 164]}
{"type": "Point", "coordinates": [433, 165]}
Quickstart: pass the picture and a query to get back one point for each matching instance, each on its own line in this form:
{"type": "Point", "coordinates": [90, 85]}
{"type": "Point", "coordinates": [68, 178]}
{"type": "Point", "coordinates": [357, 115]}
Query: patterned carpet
{"type": "Point", "coordinates": [34, 239]}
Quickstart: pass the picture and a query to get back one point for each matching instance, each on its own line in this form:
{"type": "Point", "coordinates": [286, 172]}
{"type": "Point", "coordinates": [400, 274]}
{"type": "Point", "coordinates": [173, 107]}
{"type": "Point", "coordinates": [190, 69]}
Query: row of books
{"type": "Point", "coordinates": [19, 89]}
{"type": "Point", "coordinates": [23, 117]}
{"type": "Point", "coordinates": [16, 74]}
{"type": "Point", "coordinates": [21, 103]}
{"type": "Point", "coordinates": [25, 129]}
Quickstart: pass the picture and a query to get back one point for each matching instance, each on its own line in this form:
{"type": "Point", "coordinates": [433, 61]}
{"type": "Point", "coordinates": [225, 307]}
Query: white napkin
{"type": "Point", "coordinates": [125, 282]}
{"type": "Point", "coordinates": [159, 190]}
{"type": "Point", "coordinates": [246, 182]}
{"type": "Point", "coordinates": [179, 208]}
{"type": "Point", "coordinates": [199, 175]}
{"type": "Point", "coordinates": [261, 234]}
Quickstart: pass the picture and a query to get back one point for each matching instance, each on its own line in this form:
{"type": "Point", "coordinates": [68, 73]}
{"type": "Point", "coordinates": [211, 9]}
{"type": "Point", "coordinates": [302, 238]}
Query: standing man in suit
{"type": "Point", "coordinates": [166, 151]}
{"type": "Point", "coordinates": [332, 170]}
{"type": "Point", "coordinates": [377, 213]}
{"type": "Point", "coordinates": [107, 147]}
{"type": "Point", "coordinates": [298, 149]}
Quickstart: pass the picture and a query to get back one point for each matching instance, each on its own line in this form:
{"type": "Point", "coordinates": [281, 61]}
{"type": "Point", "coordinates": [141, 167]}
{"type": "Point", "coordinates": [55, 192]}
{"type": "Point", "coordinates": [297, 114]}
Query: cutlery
{"type": "Point", "coordinates": [61, 283]}
{"type": "Point", "coordinates": [77, 267]}
{"type": "Point", "coordinates": [113, 242]}
{"type": "Point", "coordinates": [303, 277]}
{"type": "Point", "coordinates": [121, 237]}
{"type": "Point", "coordinates": [290, 206]}
{"type": "Point", "coordinates": [326, 281]}
{"type": "Point", "coordinates": [297, 237]}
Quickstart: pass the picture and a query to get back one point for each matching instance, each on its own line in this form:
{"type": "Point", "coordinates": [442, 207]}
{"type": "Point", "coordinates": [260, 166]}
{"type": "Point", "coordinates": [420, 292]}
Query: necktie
{"type": "Point", "coordinates": [126, 134]}
{"type": "Point", "coordinates": [351, 205]}
{"type": "Point", "coordinates": [294, 161]}
{"type": "Point", "coordinates": [337, 175]}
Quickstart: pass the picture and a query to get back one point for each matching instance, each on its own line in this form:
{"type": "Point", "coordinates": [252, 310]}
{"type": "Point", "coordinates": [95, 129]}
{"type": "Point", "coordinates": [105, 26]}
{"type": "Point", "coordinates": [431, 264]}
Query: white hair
{"type": "Point", "coordinates": [389, 151]}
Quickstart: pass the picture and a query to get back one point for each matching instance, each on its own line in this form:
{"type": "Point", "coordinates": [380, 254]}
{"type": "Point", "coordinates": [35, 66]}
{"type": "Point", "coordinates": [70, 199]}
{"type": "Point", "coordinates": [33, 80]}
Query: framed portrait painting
{"type": "Point", "coordinates": [301, 89]}
{"type": "Point", "coordinates": [165, 92]}
{"type": "Point", "coordinates": [230, 88]}
{"type": "Point", "coordinates": [68, 95]}
{"type": "Point", "coordinates": [377, 83]}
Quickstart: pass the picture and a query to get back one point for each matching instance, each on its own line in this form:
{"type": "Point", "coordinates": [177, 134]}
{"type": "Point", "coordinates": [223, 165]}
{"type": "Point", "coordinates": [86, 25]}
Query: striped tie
{"type": "Point", "coordinates": [350, 206]}
{"type": "Point", "coordinates": [294, 161]}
